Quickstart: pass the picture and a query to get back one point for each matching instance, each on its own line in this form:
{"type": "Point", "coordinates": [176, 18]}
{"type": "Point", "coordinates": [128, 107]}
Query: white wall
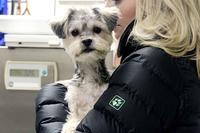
{"type": "Point", "coordinates": [41, 12]}
{"type": "Point", "coordinates": [41, 8]}
{"type": "Point", "coordinates": [62, 5]}
{"type": "Point", "coordinates": [46, 8]}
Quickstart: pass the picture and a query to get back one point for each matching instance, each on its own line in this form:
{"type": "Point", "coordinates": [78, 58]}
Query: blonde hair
{"type": "Point", "coordinates": [172, 25]}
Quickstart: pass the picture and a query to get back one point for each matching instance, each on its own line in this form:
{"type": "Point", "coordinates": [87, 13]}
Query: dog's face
{"type": "Point", "coordinates": [87, 33]}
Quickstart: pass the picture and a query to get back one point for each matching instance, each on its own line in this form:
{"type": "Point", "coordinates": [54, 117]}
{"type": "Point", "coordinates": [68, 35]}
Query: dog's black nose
{"type": "Point", "coordinates": [87, 42]}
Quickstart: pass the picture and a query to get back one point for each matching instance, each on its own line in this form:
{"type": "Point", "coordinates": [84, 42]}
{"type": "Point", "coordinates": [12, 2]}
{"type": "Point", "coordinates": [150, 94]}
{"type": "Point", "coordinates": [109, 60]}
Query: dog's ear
{"type": "Point", "coordinates": [109, 14]}
{"type": "Point", "coordinates": [59, 26]}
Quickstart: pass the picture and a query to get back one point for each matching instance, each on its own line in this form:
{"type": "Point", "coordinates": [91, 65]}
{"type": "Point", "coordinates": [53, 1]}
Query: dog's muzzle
{"type": "Point", "coordinates": [87, 46]}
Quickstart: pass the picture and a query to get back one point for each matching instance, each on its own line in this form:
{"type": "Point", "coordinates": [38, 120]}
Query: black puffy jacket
{"type": "Point", "coordinates": [150, 92]}
{"type": "Point", "coordinates": [51, 109]}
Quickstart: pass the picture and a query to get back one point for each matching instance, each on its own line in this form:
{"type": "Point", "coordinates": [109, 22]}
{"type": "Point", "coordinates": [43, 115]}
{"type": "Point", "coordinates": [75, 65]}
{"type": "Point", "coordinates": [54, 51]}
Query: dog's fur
{"type": "Point", "coordinates": [86, 35]}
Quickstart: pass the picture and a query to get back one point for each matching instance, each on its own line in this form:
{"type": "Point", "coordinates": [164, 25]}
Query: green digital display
{"type": "Point", "coordinates": [24, 73]}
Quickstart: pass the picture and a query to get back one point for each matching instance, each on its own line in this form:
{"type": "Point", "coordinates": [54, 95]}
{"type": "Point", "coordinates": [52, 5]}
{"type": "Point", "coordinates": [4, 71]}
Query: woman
{"type": "Point", "coordinates": [156, 88]}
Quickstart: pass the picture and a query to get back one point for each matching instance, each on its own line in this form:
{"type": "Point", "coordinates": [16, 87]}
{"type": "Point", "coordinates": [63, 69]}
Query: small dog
{"type": "Point", "coordinates": [87, 37]}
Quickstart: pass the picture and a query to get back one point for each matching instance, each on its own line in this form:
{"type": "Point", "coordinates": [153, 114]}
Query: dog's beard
{"type": "Point", "coordinates": [96, 51]}
{"type": "Point", "coordinates": [90, 57]}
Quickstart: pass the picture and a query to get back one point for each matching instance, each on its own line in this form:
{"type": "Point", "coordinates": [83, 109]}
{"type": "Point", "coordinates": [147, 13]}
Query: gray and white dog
{"type": "Point", "coordinates": [87, 37]}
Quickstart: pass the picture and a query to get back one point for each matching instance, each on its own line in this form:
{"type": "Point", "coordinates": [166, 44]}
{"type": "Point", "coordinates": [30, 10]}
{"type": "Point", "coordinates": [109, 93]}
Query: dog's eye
{"type": "Point", "coordinates": [97, 30]}
{"type": "Point", "coordinates": [75, 33]}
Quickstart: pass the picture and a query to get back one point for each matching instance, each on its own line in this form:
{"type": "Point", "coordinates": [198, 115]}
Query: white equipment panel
{"type": "Point", "coordinates": [17, 40]}
{"type": "Point", "coordinates": [25, 75]}
{"type": "Point", "coordinates": [30, 25]}
{"type": "Point", "coordinates": [28, 31]}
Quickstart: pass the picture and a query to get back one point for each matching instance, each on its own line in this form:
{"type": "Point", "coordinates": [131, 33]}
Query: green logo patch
{"type": "Point", "coordinates": [117, 102]}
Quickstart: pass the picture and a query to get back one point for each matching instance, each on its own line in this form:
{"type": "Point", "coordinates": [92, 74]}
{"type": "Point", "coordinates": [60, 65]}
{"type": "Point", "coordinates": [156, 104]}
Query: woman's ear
{"type": "Point", "coordinates": [110, 15]}
{"type": "Point", "coordinates": [59, 26]}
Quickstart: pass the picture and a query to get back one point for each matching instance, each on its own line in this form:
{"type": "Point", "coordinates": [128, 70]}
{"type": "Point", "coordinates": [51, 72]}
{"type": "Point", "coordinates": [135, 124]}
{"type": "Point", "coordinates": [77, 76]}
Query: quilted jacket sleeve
{"type": "Point", "coordinates": [140, 97]}
{"type": "Point", "coordinates": [51, 109]}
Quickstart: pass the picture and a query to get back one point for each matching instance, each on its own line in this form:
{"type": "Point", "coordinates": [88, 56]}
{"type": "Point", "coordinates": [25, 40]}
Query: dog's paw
{"type": "Point", "coordinates": [69, 128]}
